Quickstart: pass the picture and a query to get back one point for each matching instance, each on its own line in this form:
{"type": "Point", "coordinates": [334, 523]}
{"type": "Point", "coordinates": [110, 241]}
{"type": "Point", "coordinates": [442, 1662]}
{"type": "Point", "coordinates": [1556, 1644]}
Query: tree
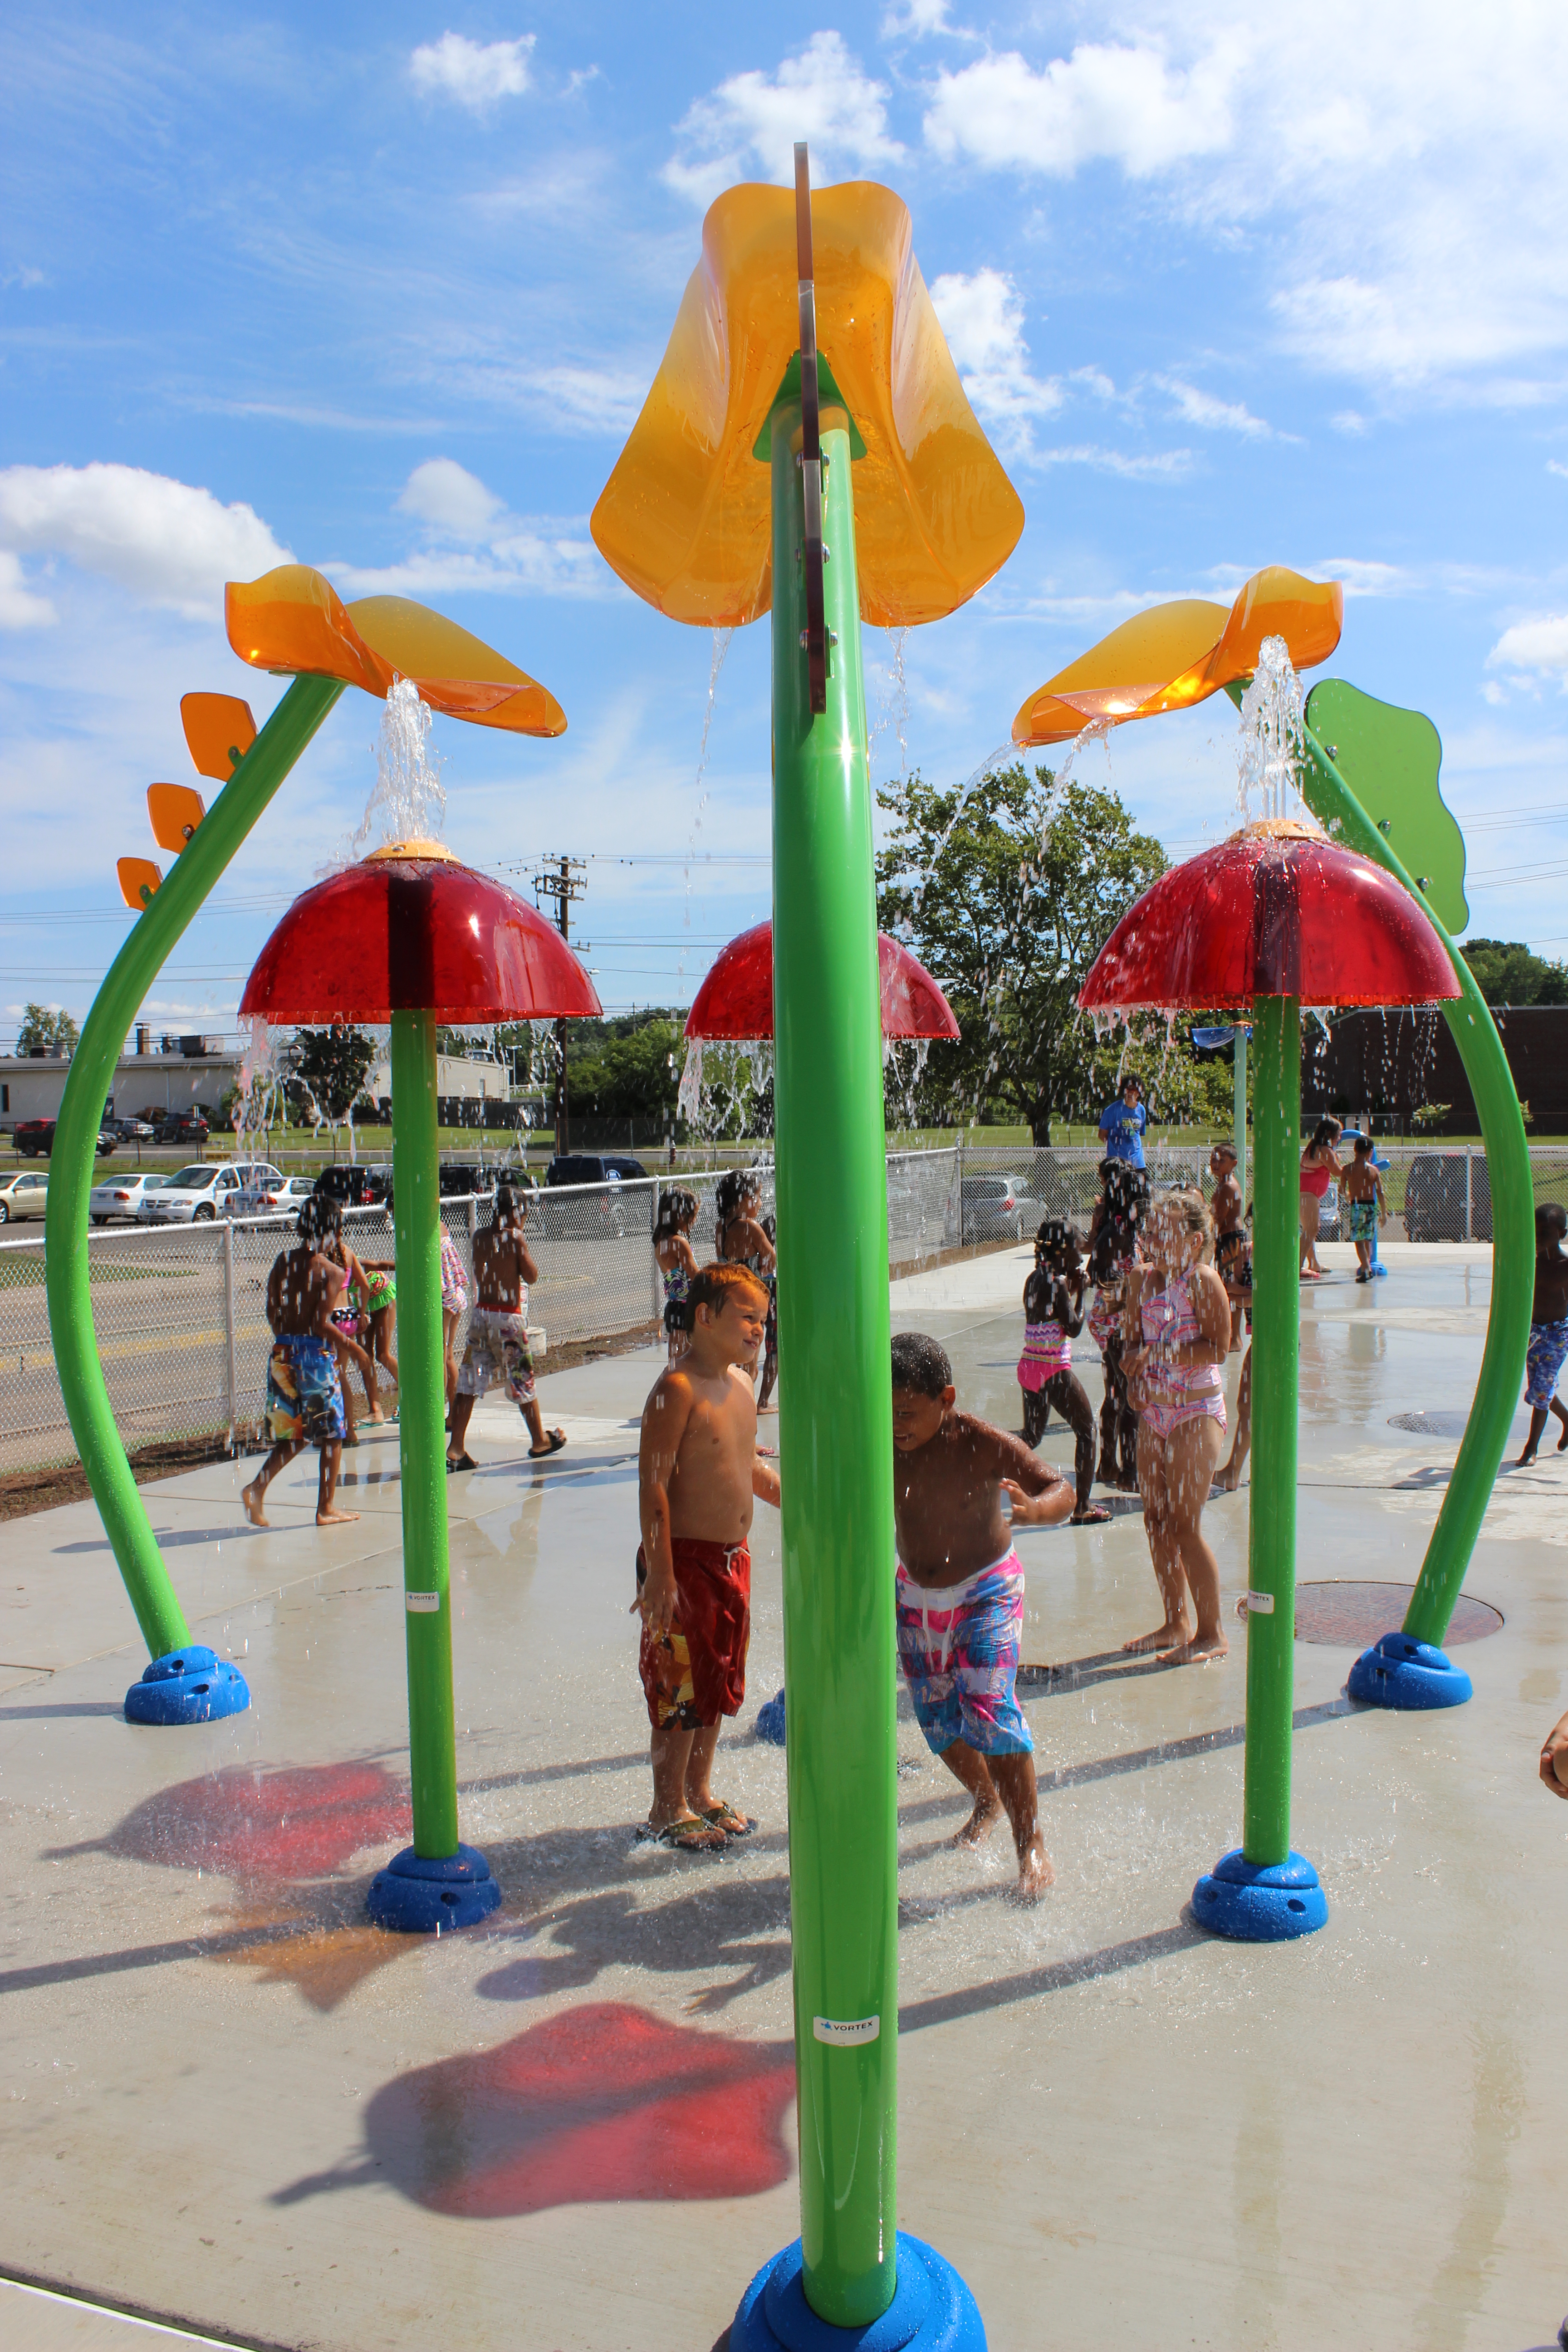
{"type": "Point", "coordinates": [627, 1067]}
{"type": "Point", "coordinates": [1007, 896]}
{"type": "Point", "coordinates": [1508, 972]}
{"type": "Point", "coordinates": [328, 1068]}
{"type": "Point", "coordinates": [44, 1025]}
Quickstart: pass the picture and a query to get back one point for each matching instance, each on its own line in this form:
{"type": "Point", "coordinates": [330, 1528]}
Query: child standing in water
{"type": "Point", "coordinates": [1112, 1248]}
{"type": "Point", "coordinates": [677, 1262]}
{"type": "Point", "coordinates": [960, 1601]}
{"type": "Point", "coordinates": [698, 1476]}
{"type": "Point", "coordinates": [1363, 1188]}
{"type": "Point", "coordinates": [740, 1240]}
{"type": "Point", "coordinates": [1053, 1318]}
{"type": "Point", "coordinates": [1177, 1337]}
{"type": "Point", "coordinates": [1548, 1328]}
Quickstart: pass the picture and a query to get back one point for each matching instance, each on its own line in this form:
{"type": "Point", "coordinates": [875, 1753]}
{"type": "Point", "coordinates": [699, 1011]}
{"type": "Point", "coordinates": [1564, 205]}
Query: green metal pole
{"type": "Point", "coordinates": [1276, 1367]}
{"type": "Point", "coordinates": [170, 912]}
{"type": "Point", "coordinates": [422, 1446]}
{"type": "Point", "coordinates": [1480, 1051]}
{"type": "Point", "coordinates": [836, 1437]}
{"type": "Point", "coordinates": [1241, 1111]}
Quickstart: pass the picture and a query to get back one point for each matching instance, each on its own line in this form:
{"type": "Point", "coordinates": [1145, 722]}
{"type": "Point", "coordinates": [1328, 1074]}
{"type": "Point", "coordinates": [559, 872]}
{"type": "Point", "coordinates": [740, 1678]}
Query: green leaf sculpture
{"type": "Point", "coordinates": [1390, 759]}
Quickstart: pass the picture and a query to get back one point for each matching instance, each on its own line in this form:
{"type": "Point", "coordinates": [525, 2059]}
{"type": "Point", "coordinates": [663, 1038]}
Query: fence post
{"type": "Point", "coordinates": [1469, 1227]}
{"type": "Point", "coordinates": [230, 1372]}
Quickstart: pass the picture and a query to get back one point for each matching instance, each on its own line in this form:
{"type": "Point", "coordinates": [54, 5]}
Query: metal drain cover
{"type": "Point", "coordinates": [1430, 1424]}
{"type": "Point", "coordinates": [1350, 1616]}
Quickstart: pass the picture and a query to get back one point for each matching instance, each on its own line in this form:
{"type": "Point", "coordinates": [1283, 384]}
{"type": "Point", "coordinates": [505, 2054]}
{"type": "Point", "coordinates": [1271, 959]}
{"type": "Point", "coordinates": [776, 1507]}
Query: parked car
{"type": "Point", "coordinates": [601, 1210]}
{"type": "Point", "coordinates": [356, 1186]}
{"type": "Point", "coordinates": [1434, 1197]}
{"type": "Point", "coordinates": [288, 1193]}
{"type": "Point", "coordinates": [461, 1179]}
{"type": "Point", "coordinates": [259, 1181]}
{"type": "Point", "coordinates": [192, 1196]}
{"type": "Point", "coordinates": [23, 1196]}
{"type": "Point", "coordinates": [122, 1196]}
{"type": "Point", "coordinates": [593, 1168]}
{"type": "Point", "coordinates": [996, 1209]}
{"type": "Point", "coordinates": [183, 1127]}
{"type": "Point", "coordinates": [132, 1130]}
{"type": "Point", "coordinates": [33, 1135]}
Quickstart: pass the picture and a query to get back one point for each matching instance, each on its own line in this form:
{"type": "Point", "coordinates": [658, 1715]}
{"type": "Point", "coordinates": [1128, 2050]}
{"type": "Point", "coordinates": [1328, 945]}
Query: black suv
{"type": "Point", "coordinates": [183, 1127]}
{"type": "Point", "coordinates": [590, 1167]}
{"type": "Point", "coordinates": [605, 1209]}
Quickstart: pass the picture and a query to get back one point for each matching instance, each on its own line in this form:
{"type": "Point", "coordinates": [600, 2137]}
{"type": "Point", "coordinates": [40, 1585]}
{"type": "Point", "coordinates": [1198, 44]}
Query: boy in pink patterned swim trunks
{"type": "Point", "coordinates": [960, 1603]}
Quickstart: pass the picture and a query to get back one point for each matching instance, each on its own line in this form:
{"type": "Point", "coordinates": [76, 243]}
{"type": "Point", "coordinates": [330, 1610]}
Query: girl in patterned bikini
{"type": "Point", "coordinates": [1176, 1336]}
{"type": "Point", "coordinates": [677, 1263]}
{"type": "Point", "coordinates": [1053, 1318]}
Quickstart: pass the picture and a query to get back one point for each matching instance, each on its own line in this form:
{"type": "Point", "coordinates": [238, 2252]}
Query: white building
{"type": "Point", "coordinates": [176, 1073]}
{"type": "Point", "coordinates": [458, 1078]}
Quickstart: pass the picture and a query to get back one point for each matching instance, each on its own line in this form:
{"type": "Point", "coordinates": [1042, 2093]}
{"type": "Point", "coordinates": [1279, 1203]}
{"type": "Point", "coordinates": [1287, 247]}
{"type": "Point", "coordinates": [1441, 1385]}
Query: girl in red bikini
{"type": "Point", "coordinates": [1320, 1168]}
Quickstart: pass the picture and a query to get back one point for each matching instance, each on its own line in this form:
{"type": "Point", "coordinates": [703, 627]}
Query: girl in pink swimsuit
{"type": "Point", "coordinates": [1176, 1335]}
{"type": "Point", "coordinates": [1320, 1168]}
{"type": "Point", "coordinates": [1053, 1312]}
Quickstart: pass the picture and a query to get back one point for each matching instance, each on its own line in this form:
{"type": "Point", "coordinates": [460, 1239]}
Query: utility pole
{"type": "Point", "coordinates": [563, 879]}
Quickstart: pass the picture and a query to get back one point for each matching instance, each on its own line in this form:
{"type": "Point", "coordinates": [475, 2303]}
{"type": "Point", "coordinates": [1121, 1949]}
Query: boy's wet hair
{"type": "Point", "coordinates": [1551, 1217]}
{"type": "Point", "coordinates": [710, 1285]}
{"type": "Point", "coordinates": [674, 1209]}
{"type": "Point", "coordinates": [1362, 1147]}
{"type": "Point", "coordinates": [920, 1365]}
{"type": "Point", "coordinates": [507, 1205]}
{"type": "Point", "coordinates": [320, 1218]}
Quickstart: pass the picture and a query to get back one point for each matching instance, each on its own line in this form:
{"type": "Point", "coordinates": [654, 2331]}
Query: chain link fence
{"type": "Point", "coordinates": [180, 1315]}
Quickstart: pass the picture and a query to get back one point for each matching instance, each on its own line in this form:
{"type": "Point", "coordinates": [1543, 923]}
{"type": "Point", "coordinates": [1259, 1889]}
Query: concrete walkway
{"type": "Point", "coordinates": [231, 2106]}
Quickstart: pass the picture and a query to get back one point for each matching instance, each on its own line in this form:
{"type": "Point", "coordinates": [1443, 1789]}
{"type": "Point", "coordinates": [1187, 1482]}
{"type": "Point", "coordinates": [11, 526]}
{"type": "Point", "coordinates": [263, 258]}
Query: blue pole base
{"type": "Point", "coordinates": [771, 1720]}
{"type": "Point", "coordinates": [1260, 1902]}
{"type": "Point", "coordinates": [416, 1895]}
{"type": "Point", "coordinates": [188, 1686]}
{"type": "Point", "coordinates": [932, 2310]}
{"type": "Point", "coordinates": [1398, 1672]}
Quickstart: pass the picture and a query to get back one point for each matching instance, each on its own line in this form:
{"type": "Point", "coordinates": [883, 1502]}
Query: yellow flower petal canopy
{"type": "Point", "coordinates": [293, 620]}
{"type": "Point", "coordinates": [1175, 654]}
{"type": "Point", "coordinates": [685, 517]}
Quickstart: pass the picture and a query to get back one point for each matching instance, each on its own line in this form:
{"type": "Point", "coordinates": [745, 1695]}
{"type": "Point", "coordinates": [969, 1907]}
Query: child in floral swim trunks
{"type": "Point", "coordinates": [960, 1602]}
{"type": "Point", "coordinates": [1361, 1186]}
{"type": "Point", "coordinates": [304, 1394]}
{"type": "Point", "coordinates": [1548, 1328]}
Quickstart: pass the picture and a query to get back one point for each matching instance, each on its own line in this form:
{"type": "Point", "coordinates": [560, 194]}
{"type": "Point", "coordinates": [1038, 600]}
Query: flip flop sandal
{"type": "Point", "coordinates": [683, 1837]}
{"type": "Point", "coordinates": [724, 1816]}
{"type": "Point", "coordinates": [543, 1453]}
{"type": "Point", "coordinates": [463, 1462]}
{"type": "Point", "coordinates": [1096, 1516]}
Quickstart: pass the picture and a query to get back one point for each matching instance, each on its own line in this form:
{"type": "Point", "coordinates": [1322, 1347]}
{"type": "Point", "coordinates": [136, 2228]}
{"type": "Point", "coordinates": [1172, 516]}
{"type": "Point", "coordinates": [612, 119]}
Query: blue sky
{"type": "Point", "coordinates": [382, 288]}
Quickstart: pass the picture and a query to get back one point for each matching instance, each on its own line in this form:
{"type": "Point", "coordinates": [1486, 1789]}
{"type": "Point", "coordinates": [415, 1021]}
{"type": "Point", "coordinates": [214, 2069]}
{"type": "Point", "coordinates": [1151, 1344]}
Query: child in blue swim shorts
{"type": "Point", "coordinates": [960, 1602]}
{"type": "Point", "coordinates": [1548, 1328]}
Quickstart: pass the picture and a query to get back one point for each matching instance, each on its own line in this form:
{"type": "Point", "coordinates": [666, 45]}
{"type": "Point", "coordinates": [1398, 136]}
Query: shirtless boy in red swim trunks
{"type": "Point", "coordinates": [699, 1474]}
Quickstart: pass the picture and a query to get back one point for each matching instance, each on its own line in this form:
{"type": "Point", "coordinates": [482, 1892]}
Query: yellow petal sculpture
{"type": "Point", "coordinates": [1178, 654]}
{"type": "Point", "coordinates": [293, 620]}
{"type": "Point", "coordinates": [685, 517]}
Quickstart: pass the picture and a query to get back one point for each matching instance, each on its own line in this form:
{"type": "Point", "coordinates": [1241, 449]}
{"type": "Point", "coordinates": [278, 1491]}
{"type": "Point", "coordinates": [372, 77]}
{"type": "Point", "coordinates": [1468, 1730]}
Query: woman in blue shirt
{"type": "Point", "coordinates": [1122, 1123]}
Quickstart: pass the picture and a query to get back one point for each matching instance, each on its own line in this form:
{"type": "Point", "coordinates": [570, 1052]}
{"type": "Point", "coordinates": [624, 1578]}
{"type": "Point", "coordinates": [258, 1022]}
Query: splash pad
{"type": "Point", "coordinates": [804, 341]}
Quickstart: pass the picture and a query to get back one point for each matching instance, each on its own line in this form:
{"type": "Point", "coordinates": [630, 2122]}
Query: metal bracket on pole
{"type": "Point", "coordinates": [814, 636]}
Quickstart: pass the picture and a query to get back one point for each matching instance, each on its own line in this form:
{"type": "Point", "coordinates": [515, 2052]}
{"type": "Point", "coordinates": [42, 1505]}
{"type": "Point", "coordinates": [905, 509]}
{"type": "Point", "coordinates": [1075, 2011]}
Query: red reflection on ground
{"type": "Point", "coordinates": [287, 1826]}
{"type": "Point", "coordinates": [602, 2102]}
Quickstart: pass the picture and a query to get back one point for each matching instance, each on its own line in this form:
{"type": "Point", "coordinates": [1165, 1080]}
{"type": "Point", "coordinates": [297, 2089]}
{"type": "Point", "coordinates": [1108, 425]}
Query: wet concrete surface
{"type": "Point", "coordinates": [229, 2104]}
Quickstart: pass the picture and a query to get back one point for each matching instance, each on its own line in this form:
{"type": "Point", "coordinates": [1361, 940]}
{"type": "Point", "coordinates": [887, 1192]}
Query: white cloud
{"type": "Point", "coordinates": [1533, 647]}
{"type": "Point", "coordinates": [589, 400]}
{"type": "Point", "coordinates": [475, 547]}
{"type": "Point", "coordinates": [1349, 421]}
{"type": "Point", "coordinates": [1211, 414]}
{"type": "Point", "coordinates": [475, 73]}
{"type": "Point", "coordinates": [1556, 466]}
{"type": "Point", "coordinates": [164, 541]}
{"type": "Point", "coordinates": [19, 607]}
{"type": "Point", "coordinates": [982, 317]}
{"type": "Point", "coordinates": [1106, 103]}
{"type": "Point", "coordinates": [449, 500]}
{"type": "Point", "coordinates": [1407, 183]}
{"type": "Point", "coordinates": [919, 20]}
{"type": "Point", "coordinates": [1154, 465]}
{"type": "Point", "coordinates": [751, 123]}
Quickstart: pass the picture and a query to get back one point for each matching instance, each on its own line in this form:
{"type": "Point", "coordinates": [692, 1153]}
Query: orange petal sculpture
{"type": "Point", "coordinates": [293, 620]}
{"type": "Point", "coordinates": [685, 517]}
{"type": "Point", "coordinates": [1179, 654]}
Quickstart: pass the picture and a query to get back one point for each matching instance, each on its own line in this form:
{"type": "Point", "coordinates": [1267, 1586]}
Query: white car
{"type": "Point", "coordinates": [270, 1193]}
{"type": "Point", "coordinates": [122, 1196]}
{"type": "Point", "coordinates": [204, 1190]}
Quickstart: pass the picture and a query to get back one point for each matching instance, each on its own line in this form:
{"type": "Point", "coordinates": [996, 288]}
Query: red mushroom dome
{"type": "Point", "coordinates": [1277, 910]}
{"type": "Point", "coordinates": [410, 930]}
{"type": "Point", "coordinates": [736, 999]}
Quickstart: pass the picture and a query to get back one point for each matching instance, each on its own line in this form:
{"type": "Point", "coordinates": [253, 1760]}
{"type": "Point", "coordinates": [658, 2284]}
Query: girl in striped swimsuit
{"type": "Point", "coordinates": [1176, 1336]}
{"type": "Point", "coordinates": [1053, 1318]}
